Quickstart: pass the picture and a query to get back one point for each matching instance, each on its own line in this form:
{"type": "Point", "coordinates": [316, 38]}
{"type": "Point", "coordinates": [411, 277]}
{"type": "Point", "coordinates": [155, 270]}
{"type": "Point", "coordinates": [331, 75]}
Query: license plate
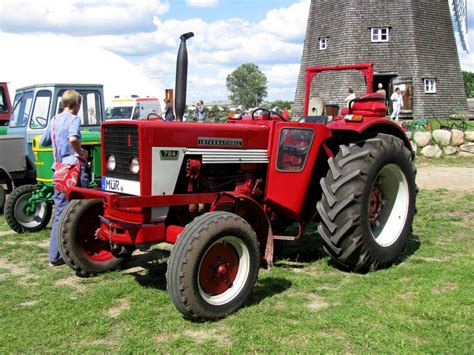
{"type": "Point", "coordinates": [120, 185]}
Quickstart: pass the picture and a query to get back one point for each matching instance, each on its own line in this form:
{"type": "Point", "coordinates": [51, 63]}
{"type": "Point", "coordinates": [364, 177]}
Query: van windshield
{"type": "Point", "coordinates": [122, 112]}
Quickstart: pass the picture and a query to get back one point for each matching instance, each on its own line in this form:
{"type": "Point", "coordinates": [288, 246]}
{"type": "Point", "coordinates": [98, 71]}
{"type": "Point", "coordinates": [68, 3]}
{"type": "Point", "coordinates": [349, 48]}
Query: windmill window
{"type": "Point", "coordinates": [430, 86]}
{"type": "Point", "coordinates": [379, 34]}
{"type": "Point", "coordinates": [323, 43]}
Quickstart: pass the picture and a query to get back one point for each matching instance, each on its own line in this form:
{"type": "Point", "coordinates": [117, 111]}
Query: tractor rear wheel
{"type": "Point", "coordinates": [213, 266]}
{"type": "Point", "coordinates": [17, 215]}
{"type": "Point", "coordinates": [368, 203]}
{"type": "Point", "coordinates": [78, 243]}
{"type": "Point", "coordinates": [2, 198]}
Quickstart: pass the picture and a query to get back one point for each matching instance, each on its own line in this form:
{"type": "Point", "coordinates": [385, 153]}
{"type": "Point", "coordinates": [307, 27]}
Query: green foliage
{"type": "Point", "coordinates": [281, 104]}
{"type": "Point", "coordinates": [247, 85]}
{"type": "Point", "coordinates": [468, 83]}
{"type": "Point", "coordinates": [214, 109]}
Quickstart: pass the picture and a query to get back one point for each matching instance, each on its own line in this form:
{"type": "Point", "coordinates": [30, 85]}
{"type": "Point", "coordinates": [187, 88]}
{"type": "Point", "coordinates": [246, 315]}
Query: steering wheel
{"type": "Point", "coordinates": [153, 115]}
{"type": "Point", "coordinates": [41, 121]}
{"type": "Point", "coordinates": [269, 112]}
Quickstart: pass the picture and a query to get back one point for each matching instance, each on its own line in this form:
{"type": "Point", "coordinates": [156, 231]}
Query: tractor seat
{"type": "Point", "coordinates": [314, 119]}
{"type": "Point", "coordinates": [298, 150]}
{"type": "Point", "coordinates": [368, 105]}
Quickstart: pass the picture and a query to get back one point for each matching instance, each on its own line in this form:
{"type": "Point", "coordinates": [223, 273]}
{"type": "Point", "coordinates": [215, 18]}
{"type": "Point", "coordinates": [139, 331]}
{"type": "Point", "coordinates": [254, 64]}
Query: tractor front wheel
{"type": "Point", "coordinates": [78, 242]}
{"type": "Point", "coordinates": [368, 203]}
{"type": "Point", "coordinates": [213, 266]}
{"type": "Point", "coordinates": [20, 215]}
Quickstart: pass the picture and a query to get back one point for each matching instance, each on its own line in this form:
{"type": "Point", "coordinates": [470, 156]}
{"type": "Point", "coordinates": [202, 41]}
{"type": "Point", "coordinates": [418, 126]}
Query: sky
{"type": "Point", "coordinates": [145, 33]}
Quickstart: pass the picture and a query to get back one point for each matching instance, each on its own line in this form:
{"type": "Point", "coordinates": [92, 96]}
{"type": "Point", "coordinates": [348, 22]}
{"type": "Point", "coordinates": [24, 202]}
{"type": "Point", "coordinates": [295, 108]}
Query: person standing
{"type": "Point", "coordinates": [168, 112]}
{"type": "Point", "coordinates": [381, 90]}
{"type": "Point", "coordinates": [349, 97]}
{"type": "Point", "coordinates": [200, 113]}
{"type": "Point", "coordinates": [64, 134]}
{"type": "Point", "coordinates": [397, 103]}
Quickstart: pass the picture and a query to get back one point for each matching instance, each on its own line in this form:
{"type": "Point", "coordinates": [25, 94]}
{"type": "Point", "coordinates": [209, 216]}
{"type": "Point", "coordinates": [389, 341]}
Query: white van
{"type": "Point", "coordinates": [133, 108]}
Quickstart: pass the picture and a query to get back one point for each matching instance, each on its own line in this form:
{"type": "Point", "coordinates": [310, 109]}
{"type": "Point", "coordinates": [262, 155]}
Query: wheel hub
{"type": "Point", "coordinates": [375, 204]}
{"type": "Point", "coordinates": [219, 268]}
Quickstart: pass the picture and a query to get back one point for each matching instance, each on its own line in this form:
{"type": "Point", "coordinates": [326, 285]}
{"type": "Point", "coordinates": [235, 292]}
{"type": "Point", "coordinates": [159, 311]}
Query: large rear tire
{"type": "Point", "coordinates": [368, 203]}
{"type": "Point", "coordinates": [78, 243]}
{"type": "Point", "coordinates": [3, 197]}
{"type": "Point", "coordinates": [213, 266]}
{"type": "Point", "coordinates": [17, 216]}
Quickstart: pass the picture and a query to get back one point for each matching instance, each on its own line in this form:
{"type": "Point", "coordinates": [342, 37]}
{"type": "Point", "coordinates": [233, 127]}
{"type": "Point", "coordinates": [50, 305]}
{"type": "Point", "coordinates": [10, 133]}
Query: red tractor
{"type": "Point", "coordinates": [222, 193]}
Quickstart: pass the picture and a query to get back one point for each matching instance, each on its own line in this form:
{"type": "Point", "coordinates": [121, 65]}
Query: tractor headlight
{"type": "Point", "coordinates": [134, 165]}
{"type": "Point", "coordinates": [110, 163]}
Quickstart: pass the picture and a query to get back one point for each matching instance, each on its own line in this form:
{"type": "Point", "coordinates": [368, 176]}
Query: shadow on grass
{"type": "Point", "coordinates": [310, 248]}
{"type": "Point", "coordinates": [266, 288]}
{"type": "Point", "coordinates": [149, 268]}
{"type": "Point", "coordinates": [300, 252]}
{"type": "Point", "coordinates": [412, 245]}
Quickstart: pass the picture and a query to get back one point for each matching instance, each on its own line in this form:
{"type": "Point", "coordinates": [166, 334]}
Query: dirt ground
{"type": "Point", "coordinates": [444, 177]}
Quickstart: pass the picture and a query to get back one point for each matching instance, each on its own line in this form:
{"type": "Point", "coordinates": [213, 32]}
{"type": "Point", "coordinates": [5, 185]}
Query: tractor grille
{"type": "Point", "coordinates": [122, 142]}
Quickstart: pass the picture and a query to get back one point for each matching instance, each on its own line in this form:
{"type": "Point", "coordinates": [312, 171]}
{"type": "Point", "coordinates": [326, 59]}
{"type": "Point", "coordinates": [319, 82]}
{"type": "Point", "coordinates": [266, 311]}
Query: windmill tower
{"type": "Point", "coordinates": [410, 42]}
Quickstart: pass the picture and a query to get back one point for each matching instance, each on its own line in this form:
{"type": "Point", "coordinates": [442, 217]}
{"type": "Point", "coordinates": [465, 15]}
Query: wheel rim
{"type": "Point", "coordinates": [388, 205]}
{"type": "Point", "coordinates": [223, 270]}
{"type": "Point", "coordinates": [93, 247]}
{"type": "Point", "coordinates": [29, 220]}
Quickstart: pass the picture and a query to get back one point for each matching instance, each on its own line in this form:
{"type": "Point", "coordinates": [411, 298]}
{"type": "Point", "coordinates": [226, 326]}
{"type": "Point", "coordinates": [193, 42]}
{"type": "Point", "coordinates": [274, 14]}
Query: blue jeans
{"type": "Point", "coordinates": [60, 202]}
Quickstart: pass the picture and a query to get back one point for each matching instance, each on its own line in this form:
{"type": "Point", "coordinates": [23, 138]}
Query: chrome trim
{"type": "Point", "coordinates": [223, 156]}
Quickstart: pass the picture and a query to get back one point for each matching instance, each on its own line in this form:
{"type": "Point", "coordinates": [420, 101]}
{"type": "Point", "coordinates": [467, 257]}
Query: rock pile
{"type": "Point", "coordinates": [443, 142]}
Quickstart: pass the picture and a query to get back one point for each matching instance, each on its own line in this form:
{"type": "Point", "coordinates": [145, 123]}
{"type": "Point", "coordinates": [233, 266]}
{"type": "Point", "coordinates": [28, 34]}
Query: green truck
{"type": "Point", "coordinates": [25, 166]}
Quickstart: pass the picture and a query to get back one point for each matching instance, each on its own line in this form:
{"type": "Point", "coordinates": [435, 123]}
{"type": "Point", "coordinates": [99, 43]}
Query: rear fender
{"type": "Point", "coordinates": [370, 126]}
{"type": "Point", "coordinates": [252, 212]}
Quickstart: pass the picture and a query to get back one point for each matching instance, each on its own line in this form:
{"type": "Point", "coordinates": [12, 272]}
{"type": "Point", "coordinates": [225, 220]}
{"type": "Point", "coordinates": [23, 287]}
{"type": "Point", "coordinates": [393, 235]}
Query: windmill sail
{"type": "Point", "coordinates": [460, 14]}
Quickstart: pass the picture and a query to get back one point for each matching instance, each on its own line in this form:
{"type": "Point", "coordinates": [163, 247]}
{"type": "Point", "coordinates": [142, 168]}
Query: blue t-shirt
{"type": "Point", "coordinates": [169, 116]}
{"type": "Point", "coordinates": [66, 125]}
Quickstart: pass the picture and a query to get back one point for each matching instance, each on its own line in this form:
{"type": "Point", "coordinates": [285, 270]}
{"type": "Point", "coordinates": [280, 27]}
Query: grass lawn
{"type": "Point", "coordinates": [303, 304]}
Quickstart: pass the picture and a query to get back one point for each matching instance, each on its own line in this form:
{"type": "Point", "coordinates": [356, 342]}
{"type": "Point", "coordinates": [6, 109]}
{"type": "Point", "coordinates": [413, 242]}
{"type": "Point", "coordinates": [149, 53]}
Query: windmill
{"type": "Point", "coordinates": [410, 42]}
{"type": "Point", "coordinates": [460, 14]}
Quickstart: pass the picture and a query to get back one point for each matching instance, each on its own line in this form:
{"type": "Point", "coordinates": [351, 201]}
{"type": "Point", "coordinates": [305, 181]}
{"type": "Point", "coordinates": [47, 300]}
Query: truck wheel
{"type": "Point", "coordinates": [368, 203]}
{"type": "Point", "coordinates": [18, 218]}
{"type": "Point", "coordinates": [2, 198]}
{"type": "Point", "coordinates": [213, 266]}
{"type": "Point", "coordinates": [77, 241]}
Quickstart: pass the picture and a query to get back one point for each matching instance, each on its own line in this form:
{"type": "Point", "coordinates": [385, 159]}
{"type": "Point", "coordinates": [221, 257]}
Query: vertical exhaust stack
{"type": "Point", "coordinates": [181, 76]}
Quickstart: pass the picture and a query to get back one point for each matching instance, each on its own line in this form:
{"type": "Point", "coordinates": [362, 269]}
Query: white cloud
{"type": "Point", "coordinates": [202, 3]}
{"type": "Point", "coordinates": [294, 18]}
{"type": "Point", "coordinates": [36, 60]}
{"type": "Point", "coordinates": [80, 17]}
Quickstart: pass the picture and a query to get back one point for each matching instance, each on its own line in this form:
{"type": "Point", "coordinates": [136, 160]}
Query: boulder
{"type": "Point", "coordinates": [457, 137]}
{"type": "Point", "coordinates": [449, 150]}
{"type": "Point", "coordinates": [465, 155]}
{"type": "Point", "coordinates": [409, 135]}
{"type": "Point", "coordinates": [422, 139]}
{"type": "Point", "coordinates": [469, 148]}
{"type": "Point", "coordinates": [442, 137]}
{"type": "Point", "coordinates": [432, 151]}
{"type": "Point", "coordinates": [469, 135]}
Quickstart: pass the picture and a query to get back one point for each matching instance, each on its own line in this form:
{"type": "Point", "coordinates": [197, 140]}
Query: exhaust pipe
{"type": "Point", "coordinates": [181, 76]}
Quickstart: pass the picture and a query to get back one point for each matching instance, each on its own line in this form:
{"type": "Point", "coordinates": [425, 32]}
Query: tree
{"type": "Point", "coordinates": [281, 104]}
{"type": "Point", "coordinates": [247, 85]}
{"type": "Point", "coordinates": [468, 83]}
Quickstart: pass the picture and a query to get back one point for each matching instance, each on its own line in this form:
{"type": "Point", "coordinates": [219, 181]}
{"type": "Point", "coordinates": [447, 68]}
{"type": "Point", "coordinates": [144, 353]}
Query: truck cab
{"type": "Point", "coordinates": [5, 107]}
{"type": "Point", "coordinates": [35, 106]}
{"type": "Point", "coordinates": [133, 108]}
